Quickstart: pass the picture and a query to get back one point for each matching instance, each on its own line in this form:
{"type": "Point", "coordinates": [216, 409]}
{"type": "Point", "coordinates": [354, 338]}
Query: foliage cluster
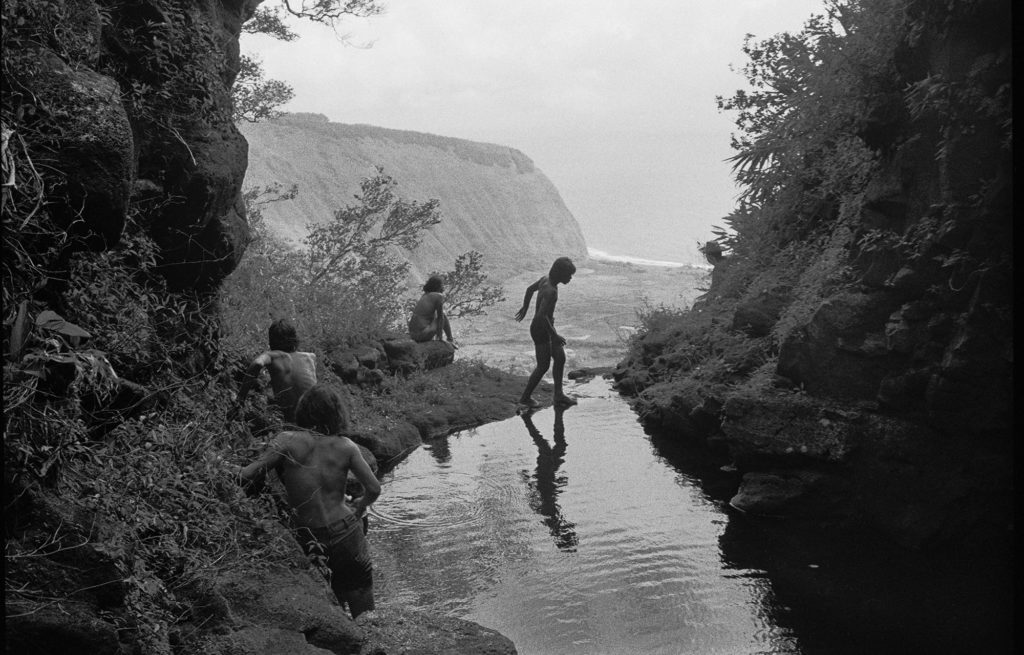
{"type": "Point", "coordinates": [257, 98]}
{"type": "Point", "coordinates": [346, 284]}
{"type": "Point", "coordinates": [867, 99]}
{"type": "Point", "coordinates": [824, 107]}
{"type": "Point", "coordinates": [153, 493]}
{"type": "Point", "coordinates": [170, 61]}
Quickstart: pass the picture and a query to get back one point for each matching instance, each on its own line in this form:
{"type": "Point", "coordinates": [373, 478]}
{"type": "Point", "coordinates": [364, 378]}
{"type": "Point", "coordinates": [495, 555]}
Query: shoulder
{"type": "Point", "coordinates": [273, 356]}
{"type": "Point", "coordinates": [264, 358]}
{"type": "Point", "coordinates": [292, 438]}
{"type": "Point", "coordinates": [341, 445]}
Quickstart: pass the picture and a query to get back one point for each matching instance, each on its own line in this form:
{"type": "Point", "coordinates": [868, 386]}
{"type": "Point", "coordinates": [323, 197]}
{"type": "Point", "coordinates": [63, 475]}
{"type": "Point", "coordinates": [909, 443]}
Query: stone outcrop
{"type": "Point", "coordinates": [493, 199]}
{"type": "Point", "coordinates": [129, 105]}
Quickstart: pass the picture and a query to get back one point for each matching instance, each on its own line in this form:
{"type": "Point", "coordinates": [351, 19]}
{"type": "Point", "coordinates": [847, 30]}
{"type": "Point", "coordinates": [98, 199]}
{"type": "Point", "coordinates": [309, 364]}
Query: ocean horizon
{"type": "Point", "coordinates": [639, 261]}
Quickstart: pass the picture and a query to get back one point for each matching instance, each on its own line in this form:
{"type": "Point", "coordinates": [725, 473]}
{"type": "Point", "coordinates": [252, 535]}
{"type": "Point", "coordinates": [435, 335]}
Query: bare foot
{"type": "Point", "coordinates": [564, 401]}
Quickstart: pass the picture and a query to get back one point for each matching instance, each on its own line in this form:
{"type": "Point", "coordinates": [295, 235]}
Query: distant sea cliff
{"type": "Point", "coordinates": [493, 199]}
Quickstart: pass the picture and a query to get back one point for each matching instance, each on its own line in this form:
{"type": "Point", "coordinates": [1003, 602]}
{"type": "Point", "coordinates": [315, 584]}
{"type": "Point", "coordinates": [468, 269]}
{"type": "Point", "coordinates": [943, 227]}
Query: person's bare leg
{"type": "Point", "coordinates": [558, 355]}
{"type": "Point", "coordinates": [543, 353]}
{"type": "Point", "coordinates": [359, 600]}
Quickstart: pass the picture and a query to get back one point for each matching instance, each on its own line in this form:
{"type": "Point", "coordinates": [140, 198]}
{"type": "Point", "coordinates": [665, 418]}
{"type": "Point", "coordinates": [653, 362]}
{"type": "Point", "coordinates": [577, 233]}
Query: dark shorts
{"type": "Point", "coordinates": [344, 546]}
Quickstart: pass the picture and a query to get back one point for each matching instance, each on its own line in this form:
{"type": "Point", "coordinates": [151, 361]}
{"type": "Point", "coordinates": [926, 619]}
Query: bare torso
{"type": "Point", "coordinates": [314, 471]}
{"type": "Point", "coordinates": [547, 298]}
{"type": "Point", "coordinates": [425, 311]}
{"type": "Point", "coordinates": [291, 375]}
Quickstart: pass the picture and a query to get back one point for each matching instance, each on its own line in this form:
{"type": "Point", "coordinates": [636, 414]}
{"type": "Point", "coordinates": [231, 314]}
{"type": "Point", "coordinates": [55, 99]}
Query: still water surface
{"type": "Point", "coordinates": [575, 532]}
{"type": "Point", "coordinates": [568, 533]}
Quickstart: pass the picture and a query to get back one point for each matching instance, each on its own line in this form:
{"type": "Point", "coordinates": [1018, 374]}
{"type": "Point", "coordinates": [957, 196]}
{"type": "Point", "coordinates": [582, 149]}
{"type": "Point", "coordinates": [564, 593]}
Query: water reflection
{"type": "Point", "coordinates": [847, 594]}
{"type": "Point", "coordinates": [822, 591]}
{"type": "Point", "coordinates": [546, 484]}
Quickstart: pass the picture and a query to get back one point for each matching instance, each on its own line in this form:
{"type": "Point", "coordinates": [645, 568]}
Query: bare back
{"type": "Point", "coordinates": [314, 469]}
{"type": "Point", "coordinates": [425, 311]}
{"type": "Point", "coordinates": [547, 298]}
{"type": "Point", "coordinates": [291, 375]}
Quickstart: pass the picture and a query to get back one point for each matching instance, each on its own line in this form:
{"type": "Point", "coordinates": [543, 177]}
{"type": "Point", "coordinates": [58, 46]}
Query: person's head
{"type": "Point", "coordinates": [282, 336]}
{"type": "Point", "coordinates": [434, 283]}
{"type": "Point", "coordinates": [562, 270]}
{"type": "Point", "coordinates": [322, 409]}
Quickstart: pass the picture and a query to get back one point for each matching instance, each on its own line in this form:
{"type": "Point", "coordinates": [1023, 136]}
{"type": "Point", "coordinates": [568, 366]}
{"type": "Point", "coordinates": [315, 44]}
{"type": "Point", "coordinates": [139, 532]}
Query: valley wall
{"type": "Point", "coordinates": [493, 199]}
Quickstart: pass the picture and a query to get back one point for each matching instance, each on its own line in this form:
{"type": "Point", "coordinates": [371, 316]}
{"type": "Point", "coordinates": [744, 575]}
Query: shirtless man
{"type": "Point", "coordinates": [428, 319]}
{"type": "Point", "coordinates": [314, 464]}
{"type": "Point", "coordinates": [548, 344]}
{"type": "Point", "coordinates": [291, 372]}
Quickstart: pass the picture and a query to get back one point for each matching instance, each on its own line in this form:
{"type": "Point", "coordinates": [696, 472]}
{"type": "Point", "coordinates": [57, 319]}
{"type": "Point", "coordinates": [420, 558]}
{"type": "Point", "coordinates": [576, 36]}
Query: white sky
{"type": "Point", "coordinates": [614, 101]}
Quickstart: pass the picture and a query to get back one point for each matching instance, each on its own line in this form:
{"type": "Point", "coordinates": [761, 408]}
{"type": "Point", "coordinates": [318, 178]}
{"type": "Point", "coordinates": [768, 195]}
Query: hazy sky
{"type": "Point", "coordinates": [613, 100]}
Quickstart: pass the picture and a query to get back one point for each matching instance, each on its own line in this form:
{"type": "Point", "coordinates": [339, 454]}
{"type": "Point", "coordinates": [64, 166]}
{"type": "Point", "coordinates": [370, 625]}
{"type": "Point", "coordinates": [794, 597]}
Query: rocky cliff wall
{"type": "Point", "coordinates": [861, 370]}
{"type": "Point", "coordinates": [127, 107]}
{"type": "Point", "coordinates": [493, 199]}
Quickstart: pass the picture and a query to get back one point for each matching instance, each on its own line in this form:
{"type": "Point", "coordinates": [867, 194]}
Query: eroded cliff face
{"type": "Point", "coordinates": [493, 199]}
{"type": "Point", "coordinates": [127, 107]}
{"type": "Point", "coordinates": [863, 374]}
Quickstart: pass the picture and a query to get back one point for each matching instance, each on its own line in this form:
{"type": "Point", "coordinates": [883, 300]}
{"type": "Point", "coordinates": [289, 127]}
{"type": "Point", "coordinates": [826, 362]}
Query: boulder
{"type": "Point", "coordinates": [274, 610]}
{"type": "Point", "coordinates": [770, 494]}
{"type": "Point", "coordinates": [387, 441]}
{"type": "Point", "coordinates": [393, 630]}
{"type": "Point", "coordinates": [779, 428]}
{"type": "Point", "coordinates": [842, 350]}
{"type": "Point", "coordinates": [405, 355]}
{"type": "Point", "coordinates": [95, 150]}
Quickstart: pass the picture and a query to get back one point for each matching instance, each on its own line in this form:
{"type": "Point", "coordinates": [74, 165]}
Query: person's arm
{"type": "Point", "coordinates": [253, 477]}
{"type": "Point", "coordinates": [530, 290]}
{"type": "Point", "coordinates": [441, 325]}
{"type": "Point", "coordinates": [251, 375]}
{"type": "Point", "coordinates": [365, 476]}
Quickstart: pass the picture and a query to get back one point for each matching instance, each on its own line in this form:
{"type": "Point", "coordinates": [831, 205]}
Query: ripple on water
{"type": "Point", "coordinates": [441, 499]}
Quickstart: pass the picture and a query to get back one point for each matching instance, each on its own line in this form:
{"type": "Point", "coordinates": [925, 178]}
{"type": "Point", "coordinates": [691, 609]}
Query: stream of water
{"type": "Point", "coordinates": [576, 533]}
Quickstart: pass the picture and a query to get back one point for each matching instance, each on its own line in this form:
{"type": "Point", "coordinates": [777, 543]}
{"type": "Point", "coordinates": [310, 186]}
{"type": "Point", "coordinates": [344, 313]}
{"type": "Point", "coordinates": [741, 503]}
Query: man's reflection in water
{"type": "Point", "coordinates": [545, 485]}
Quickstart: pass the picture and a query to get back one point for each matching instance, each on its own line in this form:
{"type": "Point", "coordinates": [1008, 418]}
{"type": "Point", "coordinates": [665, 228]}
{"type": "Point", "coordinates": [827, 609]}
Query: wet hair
{"type": "Point", "coordinates": [281, 336]}
{"type": "Point", "coordinates": [562, 265]}
{"type": "Point", "coordinates": [434, 283]}
{"type": "Point", "coordinates": [322, 409]}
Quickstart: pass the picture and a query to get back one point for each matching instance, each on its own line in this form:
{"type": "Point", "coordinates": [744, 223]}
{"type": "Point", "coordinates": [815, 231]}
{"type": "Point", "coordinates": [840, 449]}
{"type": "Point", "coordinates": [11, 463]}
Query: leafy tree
{"type": "Point", "coordinates": [804, 147]}
{"type": "Point", "coordinates": [356, 249]}
{"type": "Point", "coordinates": [331, 11]}
{"type": "Point", "coordinates": [257, 98]}
{"type": "Point", "coordinates": [466, 289]}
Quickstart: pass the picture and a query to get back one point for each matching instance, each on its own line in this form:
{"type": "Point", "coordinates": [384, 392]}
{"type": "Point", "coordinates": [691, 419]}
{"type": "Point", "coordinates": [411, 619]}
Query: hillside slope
{"type": "Point", "coordinates": [493, 199]}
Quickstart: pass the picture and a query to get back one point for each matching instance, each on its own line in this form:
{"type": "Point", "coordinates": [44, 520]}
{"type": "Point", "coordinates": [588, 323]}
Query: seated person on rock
{"type": "Point", "coordinates": [428, 320]}
{"type": "Point", "coordinates": [314, 465]}
{"type": "Point", "coordinates": [291, 372]}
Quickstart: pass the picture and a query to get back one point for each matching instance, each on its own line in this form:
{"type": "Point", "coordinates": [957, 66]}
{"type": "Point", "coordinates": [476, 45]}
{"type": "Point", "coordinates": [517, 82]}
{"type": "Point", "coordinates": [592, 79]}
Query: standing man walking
{"type": "Point", "coordinates": [548, 344]}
